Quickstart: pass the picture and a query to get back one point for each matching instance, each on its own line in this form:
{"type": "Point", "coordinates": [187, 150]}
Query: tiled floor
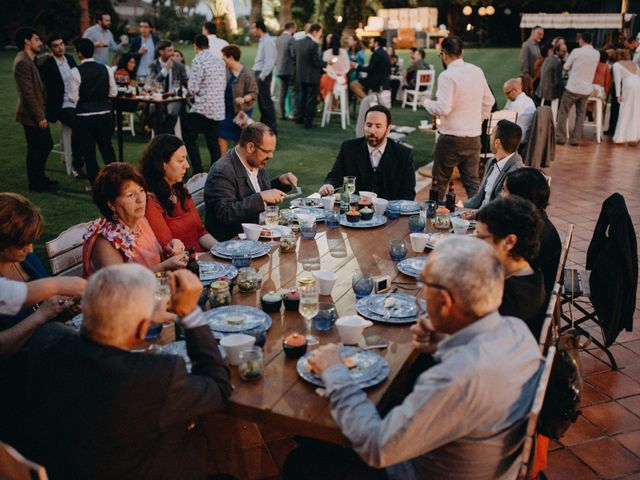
{"type": "Point", "coordinates": [605, 441]}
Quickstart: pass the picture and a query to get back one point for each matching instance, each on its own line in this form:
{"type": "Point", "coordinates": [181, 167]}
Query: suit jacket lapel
{"type": "Point", "coordinates": [241, 171]}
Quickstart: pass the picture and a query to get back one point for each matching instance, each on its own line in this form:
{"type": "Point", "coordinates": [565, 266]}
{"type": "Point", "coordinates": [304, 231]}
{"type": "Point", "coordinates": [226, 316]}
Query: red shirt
{"type": "Point", "coordinates": [185, 225]}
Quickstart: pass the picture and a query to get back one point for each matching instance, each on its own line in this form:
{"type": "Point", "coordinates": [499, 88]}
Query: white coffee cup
{"type": "Point", "coordinates": [418, 241]}
{"type": "Point", "coordinates": [371, 196]}
{"type": "Point", "coordinates": [326, 281]}
{"type": "Point", "coordinates": [350, 328]}
{"type": "Point", "coordinates": [460, 225]}
{"type": "Point", "coordinates": [236, 343]}
{"type": "Point", "coordinates": [380, 205]}
{"type": "Point", "coordinates": [328, 202]}
{"type": "Point", "coordinates": [252, 230]}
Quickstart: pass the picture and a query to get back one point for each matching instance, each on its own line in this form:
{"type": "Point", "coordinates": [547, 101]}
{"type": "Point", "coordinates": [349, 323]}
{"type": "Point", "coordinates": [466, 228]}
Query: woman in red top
{"type": "Point", "coordinates": [171, 211]}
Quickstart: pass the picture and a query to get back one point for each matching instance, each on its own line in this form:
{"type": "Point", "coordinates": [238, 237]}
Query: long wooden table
{"type": "Point", "coordinates": [281, 399]}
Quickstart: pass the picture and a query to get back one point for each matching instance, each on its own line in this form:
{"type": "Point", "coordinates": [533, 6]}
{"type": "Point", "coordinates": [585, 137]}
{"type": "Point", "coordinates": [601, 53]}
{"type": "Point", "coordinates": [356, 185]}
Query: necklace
{"type": "Point", "coordinates": [18, 271]}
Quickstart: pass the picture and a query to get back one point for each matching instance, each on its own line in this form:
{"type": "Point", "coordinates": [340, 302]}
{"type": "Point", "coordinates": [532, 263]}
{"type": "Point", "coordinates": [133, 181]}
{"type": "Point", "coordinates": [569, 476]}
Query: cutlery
{"type": "Point", "coordinates": [373, 347]}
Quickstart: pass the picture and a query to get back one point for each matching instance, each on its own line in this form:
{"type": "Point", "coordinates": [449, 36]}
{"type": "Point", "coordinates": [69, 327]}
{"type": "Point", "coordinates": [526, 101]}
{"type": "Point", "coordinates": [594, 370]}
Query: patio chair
{"type": "Point", "coordinates": [423, 89]}
{"type": "Point", "coordinates": [546, 329]}
{"type": "Point", "coordinates": [64, 147]}
{"type": "Point", "coordinates": [195, 185]}
{"type": "Point", "coordinates": [528, 447]}
{"type": "Point", "coordinates": [65, 251]}
{"type": "Point", "coordinates": [605, 292]}
{"type": "Point", "coordinates": [14, 466]}
{"type": "Point", "coordinates": [494, 118]}
{"type": "Point", "coordinates": [339, 91]}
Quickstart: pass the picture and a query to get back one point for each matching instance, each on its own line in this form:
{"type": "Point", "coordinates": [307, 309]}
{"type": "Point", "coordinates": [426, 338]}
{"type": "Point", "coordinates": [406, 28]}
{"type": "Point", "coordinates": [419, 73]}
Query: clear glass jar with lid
{"type": "Point", "coordinates": [249, 280]}
{"type": "Point", "coordinates": [442, 220]}
{"type": "Point", "coordinates": [219, 294]}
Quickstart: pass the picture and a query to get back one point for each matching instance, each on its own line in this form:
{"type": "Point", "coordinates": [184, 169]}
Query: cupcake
{"type": "Point", "coordinates": [291, 299]}
{"type": "Point", "coordinates": [364, 203]}
{"type": "Point", "coordinates": [294, 345]}
{"type": "Point", "coordinates": [271, 302]}
{"type": "Point", "coordinates": [353, 216]}
{"type": "Point", "coordinates": [366, 213]}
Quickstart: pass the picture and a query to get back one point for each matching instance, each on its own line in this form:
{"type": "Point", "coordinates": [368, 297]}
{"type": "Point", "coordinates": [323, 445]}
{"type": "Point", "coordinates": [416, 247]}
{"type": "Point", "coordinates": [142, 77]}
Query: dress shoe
{"type": "Point", "coordinates": [574, 143]}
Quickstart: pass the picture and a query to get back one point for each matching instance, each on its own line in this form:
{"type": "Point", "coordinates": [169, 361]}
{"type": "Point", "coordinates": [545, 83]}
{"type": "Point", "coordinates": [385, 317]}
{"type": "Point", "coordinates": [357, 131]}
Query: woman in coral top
{"type": "Point", "coordinates": [171, 211]}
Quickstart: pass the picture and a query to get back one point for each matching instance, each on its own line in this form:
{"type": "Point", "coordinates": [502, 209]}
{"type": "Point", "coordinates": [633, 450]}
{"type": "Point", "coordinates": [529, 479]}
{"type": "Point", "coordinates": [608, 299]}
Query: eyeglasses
{"type": "Point", "coordinates": [422, 282]}
{"type": "Point", "coordinates": [268, 152]}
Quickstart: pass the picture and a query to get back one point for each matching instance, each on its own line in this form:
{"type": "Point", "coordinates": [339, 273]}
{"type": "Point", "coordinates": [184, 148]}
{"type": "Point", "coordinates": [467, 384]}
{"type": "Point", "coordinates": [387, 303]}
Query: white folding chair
{"type": "Point", "coordinates": [65, 251]}
{"type": "Point", "coordinates": [423, 89]}
{"type": "Point", "coordinates": [343, 96]}
{"type": "Point", "coordinates": [195, 185]}
{"type": "Point", "coordinates": [64, 147]}
{"type": "Point", "coordinates": [528, 447]}
{"type": "Point", "coordinates": [14, 466]}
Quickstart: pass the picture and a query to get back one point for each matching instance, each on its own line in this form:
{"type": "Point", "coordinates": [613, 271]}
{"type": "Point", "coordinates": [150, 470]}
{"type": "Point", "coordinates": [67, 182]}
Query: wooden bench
{"type": "Point", "coordinates": [65, 251]}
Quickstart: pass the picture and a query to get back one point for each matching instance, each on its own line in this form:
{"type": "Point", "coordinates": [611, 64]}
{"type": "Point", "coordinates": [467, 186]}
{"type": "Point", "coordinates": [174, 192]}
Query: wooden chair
{"type": "Point", "coordinates": [65, 251]}
{"type": "Point", "coordinates": [195, 185]}
{"type": "Point", "coordinates": [528, 447]}
{"type": "Point", "coordinates": [14, 466]}
{"type": "Point", "coordinates": [425, 81]}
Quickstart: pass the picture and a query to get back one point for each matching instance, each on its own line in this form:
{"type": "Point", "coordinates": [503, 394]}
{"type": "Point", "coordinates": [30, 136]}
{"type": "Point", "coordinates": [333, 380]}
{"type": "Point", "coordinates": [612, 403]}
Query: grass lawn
{"type": "Point", "coordinates": [309, 154]}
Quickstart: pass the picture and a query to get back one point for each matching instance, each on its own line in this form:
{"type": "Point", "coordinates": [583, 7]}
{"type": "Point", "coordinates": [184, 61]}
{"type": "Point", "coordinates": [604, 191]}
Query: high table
{"type": "Point", "coordinates": [281, 399]}
{"type": "Point", "coordinates": [130, 104]}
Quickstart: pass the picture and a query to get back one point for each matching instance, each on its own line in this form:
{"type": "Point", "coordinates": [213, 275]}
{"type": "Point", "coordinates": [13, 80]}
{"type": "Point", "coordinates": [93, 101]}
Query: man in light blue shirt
{"type": "Point", "coordinates": [466, 416]}
{"type": "Point", "coordinates": [102, 38]}
{"type": "Point", "coordinates": [144, 48]}
{"type": "Point", "coordinates": [263, 71]}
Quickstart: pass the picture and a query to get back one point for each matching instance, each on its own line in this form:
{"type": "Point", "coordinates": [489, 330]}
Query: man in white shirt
{"type": "Point", "coordinates": [216, 44]}
{"type": "Point", "coordinates": [263, 71]}
{"type": "Point", "coordinates": [504, 144]}
{"type": "Point", "coordinates": [518, 101]}
{"type": "Point", "coordinates": [581, 65]}
{"type": "Point", "coordinates": [207, 83]}
{"type": "Point", "coordinates": [91, 86]}
{"type": "Point", "coordinates": [463, 100]}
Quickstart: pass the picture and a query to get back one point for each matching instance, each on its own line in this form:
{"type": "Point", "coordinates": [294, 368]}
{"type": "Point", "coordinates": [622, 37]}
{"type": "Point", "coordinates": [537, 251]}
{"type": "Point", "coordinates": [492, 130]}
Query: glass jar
{"type": "Point", "coordinates": [442, 220]}
{"type": "Point", "coordinates": [288, 243]}
{"type": "Point", "coordinates": [249, 280]}
{"type": "Point", "coordinates": [305, 280]}
{"type": "Point", "coordinates": [219, 294]}
{"type": "Point", "coordinates": [251, 364]}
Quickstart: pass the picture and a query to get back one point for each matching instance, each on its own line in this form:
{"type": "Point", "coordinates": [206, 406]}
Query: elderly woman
{"type": "Point", "coordinates": [239, 96]}
{"type": "Point", "coordinates": [20, 226]}
{"type": "Point", "coordinates": [122, 234]}
{"type": "Point", "coordinates": [512, 227]}
{"type": "Point", "coordinates": [171, 211]}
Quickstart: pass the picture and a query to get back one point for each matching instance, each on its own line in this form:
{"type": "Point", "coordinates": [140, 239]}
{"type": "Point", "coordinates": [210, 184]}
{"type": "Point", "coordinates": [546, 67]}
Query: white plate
{"type": "Point", "coordinates": [276, 231]}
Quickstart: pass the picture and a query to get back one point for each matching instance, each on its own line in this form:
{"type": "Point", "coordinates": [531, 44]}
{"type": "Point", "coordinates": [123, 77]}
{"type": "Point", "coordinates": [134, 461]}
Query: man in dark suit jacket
{"type": "Point", "coordinates": [98, 410]}
{"type": "Point", "coordinates": [143, 47]}
{"type": "Point", "coordinates": [551, 86]}
{"type": "Point", "coordinates": [380, 165]}
{"type": "Point", "coordinates": [285, 63]}
{"type": "Point", "coordinates": [378, 71]}
{"type": "Point", "coordinates": [504, 143]}
{"type": "Point", "coordinates": [165, 70]}
{"type": "Point", "coordinates": [55, 70]}
{"type": "Point", "coordinates": [237, 187]}
{"type": "Point", "coordinates": [309, 67]}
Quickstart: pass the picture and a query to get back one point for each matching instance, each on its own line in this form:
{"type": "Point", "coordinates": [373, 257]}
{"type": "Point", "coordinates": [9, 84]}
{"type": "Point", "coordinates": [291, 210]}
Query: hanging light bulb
{"type": "Point", "coordinates": [467, 10]}
{"type": "Point", "coordinates": [507, 11]}
{"type": "Point", "coordinates": [490, 10]}
{"type": "Point", "coordinates": [469, 27]}
{"type": "Point", "coordinates": [482, 11]}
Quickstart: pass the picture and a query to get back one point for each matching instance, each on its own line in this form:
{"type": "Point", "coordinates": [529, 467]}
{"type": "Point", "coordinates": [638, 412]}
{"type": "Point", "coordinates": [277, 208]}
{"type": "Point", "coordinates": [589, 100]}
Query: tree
{"type": "Point", "coordinates": [256, 11]}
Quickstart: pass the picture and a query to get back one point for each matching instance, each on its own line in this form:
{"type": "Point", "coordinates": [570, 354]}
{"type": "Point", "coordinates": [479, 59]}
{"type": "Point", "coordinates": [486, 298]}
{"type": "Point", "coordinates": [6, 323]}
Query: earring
{"type": "Point", "coordinates": [115, 217]}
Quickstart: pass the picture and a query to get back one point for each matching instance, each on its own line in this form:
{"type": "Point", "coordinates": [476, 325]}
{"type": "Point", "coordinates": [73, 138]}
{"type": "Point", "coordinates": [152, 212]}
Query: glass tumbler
{"type": "Point", "coordinates": [398, 250]}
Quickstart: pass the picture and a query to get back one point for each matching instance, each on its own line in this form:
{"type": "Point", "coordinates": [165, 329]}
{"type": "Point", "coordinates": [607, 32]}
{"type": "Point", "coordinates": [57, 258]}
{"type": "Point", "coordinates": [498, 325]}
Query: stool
{"type": "Point", "coordinates": [128, 121]}
{"type": "Point", "coordinates": [64, 147]}
{"type": "Point", "coordinates": [344, 108]}
{"type": "Point", "coordinates": [598, 121]}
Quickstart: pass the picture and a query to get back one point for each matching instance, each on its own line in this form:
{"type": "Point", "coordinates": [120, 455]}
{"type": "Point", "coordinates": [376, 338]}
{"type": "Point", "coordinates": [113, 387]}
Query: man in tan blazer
{"type": "Point", "coordinates": [31, 109]}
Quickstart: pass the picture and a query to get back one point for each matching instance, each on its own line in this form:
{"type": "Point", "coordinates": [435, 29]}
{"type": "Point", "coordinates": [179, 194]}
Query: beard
{"type": "Point", "coordinates": [374, 141]}
{"type": "Point", "coordinates": [444, 65]}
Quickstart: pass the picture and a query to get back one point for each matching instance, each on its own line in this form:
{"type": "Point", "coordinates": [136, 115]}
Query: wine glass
{"type": "Point", "coordinates": [271, 219]}
{"type": "Point", "coordinates": [159, 87]}
{"type": "Point", "coordinates": [309, 308]}
{"type": "Point", "coordinates": [351, 185]}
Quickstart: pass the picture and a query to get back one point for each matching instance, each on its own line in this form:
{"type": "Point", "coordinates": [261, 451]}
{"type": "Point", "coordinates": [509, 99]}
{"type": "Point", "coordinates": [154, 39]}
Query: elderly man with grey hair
{"type": "Point", "coordinates": [466, 415]}
{"type": "Point", "coordinates": [98, 410]}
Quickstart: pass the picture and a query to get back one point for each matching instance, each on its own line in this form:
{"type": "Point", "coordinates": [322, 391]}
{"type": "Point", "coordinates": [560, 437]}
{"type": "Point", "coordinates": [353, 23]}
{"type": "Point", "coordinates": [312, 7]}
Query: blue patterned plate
{"type": "Point", "coordinates": [405, 207]}
{"type": "Point", "coordinates": [316, 212]}
{"type": "Point", "coordinates": [262, 329]}
{"type": "Point", "coordinates": [412, 266]}
{"type": "Point", "coordinates": [403, 305]}
{"type": "Point", "coordinates": [362, 309]}
{"type": "Point", "coordinates": [210, 271]}
{"type": "Point", "coordinates": [374, 221]}
{"type": "Point", "coordinates": [236, 319]}
{"type": "Point", "coordinates": [231, 247]}
{"type": "Point", "coordinates": [367, 367]}
{"type": "Point", "coordinates": [306, 202]}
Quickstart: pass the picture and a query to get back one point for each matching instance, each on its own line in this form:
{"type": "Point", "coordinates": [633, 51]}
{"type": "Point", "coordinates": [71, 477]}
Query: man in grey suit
{"type": "Point", "coordinates": [309, 67]}
{"type": "Point", "coordinates": [237, 187]}
{"type": "Point", "coordinates": [171, 74]}
{"type": "Point", "coordinates": [530, 50]}
{"type": "Point", "coordinates": [550, 86]}
{"type": "Point", "coordinates": [285, 66]}
{"type": "Point", "coordinates": [504, 144]}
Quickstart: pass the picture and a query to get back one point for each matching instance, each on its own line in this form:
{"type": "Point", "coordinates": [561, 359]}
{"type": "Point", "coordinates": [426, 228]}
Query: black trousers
{"type": "Point", "coordinates": [39, 144]}
{"type": "Point", "coordinates": [286, 81]}
{"type": "Point", "coordinates": [196, 124]}
{"type": "Point", "coordinates": [69, 118]}
{"type": "Point", "coordinates": [309, 101]}
{"type": "Point", "coordinates": [92, 131]}
{"type": "Point", "coordinates": [267, 109]}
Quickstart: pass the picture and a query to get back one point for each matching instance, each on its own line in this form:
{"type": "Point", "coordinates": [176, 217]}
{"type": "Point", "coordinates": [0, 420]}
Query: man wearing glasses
{"type": "Point", "coordinates": [238, 187]}
{"type": "Point", "coordinates": [464, 418]}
